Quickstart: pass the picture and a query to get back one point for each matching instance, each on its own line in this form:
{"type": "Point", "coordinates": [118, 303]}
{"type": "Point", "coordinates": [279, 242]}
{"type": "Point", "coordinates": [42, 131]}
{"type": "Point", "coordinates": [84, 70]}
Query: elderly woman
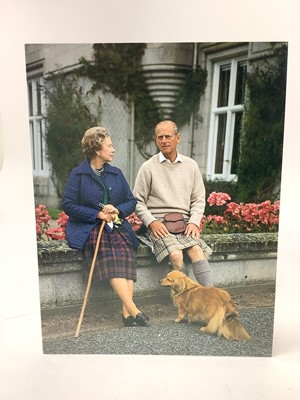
{"type": "Point", "coordinates": [96, 192]}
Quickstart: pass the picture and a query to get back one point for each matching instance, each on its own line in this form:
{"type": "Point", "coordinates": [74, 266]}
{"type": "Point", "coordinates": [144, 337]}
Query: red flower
{"type": "Point", "coordinates": [134, 221]}
{"type": "Point", "coordinates": [218, 199]}
{"type": "Point", "coordinates": [249, 217]}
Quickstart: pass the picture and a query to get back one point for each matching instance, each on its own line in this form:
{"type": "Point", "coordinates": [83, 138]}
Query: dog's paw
{"type": "Point", "coordinates": [178, 319]}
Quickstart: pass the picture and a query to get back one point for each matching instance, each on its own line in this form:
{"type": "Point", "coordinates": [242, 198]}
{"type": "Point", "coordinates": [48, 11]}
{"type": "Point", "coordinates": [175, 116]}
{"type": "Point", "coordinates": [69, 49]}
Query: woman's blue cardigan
{"type": "Point", "coordinates": [82, 196]}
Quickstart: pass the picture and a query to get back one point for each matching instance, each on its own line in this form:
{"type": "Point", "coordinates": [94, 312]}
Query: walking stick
{"type": "Point", "coordinates": [90, 278]}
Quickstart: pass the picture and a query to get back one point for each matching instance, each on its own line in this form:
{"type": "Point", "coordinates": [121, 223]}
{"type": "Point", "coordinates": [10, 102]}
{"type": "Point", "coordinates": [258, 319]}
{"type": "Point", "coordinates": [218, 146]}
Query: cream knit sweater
{"type": "Point", "coordinates": [164, 187]}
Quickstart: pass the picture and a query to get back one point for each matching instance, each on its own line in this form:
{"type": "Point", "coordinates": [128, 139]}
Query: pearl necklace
{"type": "Point", "coordinates": [97, 171]}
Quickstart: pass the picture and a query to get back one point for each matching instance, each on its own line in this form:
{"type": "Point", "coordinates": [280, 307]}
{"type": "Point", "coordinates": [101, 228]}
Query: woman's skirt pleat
{"type": "Point", "coordinates": [116, 257]}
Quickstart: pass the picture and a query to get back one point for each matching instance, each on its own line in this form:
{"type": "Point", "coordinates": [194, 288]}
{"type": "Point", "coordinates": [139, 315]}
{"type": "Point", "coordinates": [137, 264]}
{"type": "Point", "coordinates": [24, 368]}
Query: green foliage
{"type": "Point", "coordinates": [54, 213]}
{"type": "Point", "coordinates": [68, 117]}
{"type": "Point", "coordinates": [116, 68]}
{"type": "Point", "coordinates": [146, 116]}
{"type": "Point", "coordinates": [259, 169]}
{"type": "Point", "coordinates": [189, 95]}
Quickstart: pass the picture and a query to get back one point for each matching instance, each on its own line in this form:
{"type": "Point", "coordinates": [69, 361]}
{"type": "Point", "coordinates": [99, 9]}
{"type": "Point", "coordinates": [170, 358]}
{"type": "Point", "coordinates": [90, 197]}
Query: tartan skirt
{"type": "Point", "coordinates": [164, 246]}
{"type": "Point", "coordinates": [116, 257]}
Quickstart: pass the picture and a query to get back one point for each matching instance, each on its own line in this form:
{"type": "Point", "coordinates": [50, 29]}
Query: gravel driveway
{"type": "Point", "coordinates": [102, 331]}
{"type": "Point", "coordinates": [169, 338]}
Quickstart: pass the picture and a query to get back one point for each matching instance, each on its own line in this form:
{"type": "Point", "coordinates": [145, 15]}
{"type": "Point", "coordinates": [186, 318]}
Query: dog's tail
{"type": "Point", "coordinates": [233, 329]}
{"type": "Point", "coordinates": [228, 326]}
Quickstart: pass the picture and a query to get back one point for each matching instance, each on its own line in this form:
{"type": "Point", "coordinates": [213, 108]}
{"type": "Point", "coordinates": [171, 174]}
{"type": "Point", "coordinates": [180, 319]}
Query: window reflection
{"type": "Point", "coordinates": [222, 118]}
{"type": "Point", "coordinates": [32, 144]}
{"type": "Point", "coordinates": [30, 100]}
{"type": "Point", "coordinates": [240, 83]}
{"type": "Point", "coordinates": [236, 143]}
{"type": "Point", "coordinates": [41, 146]}
{"type": "Point", "coordinates": [224, 85]}
{"type": "Point", "coordinates": [39, 98]}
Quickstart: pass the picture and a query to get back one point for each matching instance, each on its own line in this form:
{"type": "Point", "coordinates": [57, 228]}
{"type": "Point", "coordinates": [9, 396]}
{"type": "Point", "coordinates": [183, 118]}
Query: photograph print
{"type": "Point", "coordinates": [157, 182]}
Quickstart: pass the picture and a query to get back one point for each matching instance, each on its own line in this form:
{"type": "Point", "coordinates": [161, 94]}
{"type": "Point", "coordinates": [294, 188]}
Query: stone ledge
{"type": "Point", "coordinates": [56, 256]}
{"type": "Point", "coordinates": [56, 251]}
{"type": "Point", "coordinates": [242, 242]}
{"type": "Point", "coordinates": [238, 260]}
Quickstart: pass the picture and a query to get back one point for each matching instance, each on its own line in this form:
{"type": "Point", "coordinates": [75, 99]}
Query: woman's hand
{"type": "Point", "coordinates": [110, 209]}
{"type": "Point", "coordinates": [109, 213]}
{"type": "Point", "coordinates": [104, 216]}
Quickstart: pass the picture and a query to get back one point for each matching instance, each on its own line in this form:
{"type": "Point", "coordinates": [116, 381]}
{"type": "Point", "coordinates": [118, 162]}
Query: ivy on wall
{"type": "Point", "coordinates": [259, 169]}
{"type": "Point", "coordinates": [117, 68]}
{"type": "Point", "coordinates": [68, 117]}
{"type": "Point", "coordinates": [188, 96]}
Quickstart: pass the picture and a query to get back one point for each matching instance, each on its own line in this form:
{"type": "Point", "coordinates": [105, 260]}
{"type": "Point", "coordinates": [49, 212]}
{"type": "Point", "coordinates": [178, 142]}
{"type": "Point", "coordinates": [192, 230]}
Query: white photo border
{"type": "Point", "coordinates": [26, 373]}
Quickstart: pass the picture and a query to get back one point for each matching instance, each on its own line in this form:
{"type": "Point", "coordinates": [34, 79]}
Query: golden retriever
{"type": "Point", "coordinates": [198, 303]}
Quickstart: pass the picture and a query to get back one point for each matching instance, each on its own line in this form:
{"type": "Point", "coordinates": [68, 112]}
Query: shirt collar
{"type": "Point", "coordinates": [162, 158]}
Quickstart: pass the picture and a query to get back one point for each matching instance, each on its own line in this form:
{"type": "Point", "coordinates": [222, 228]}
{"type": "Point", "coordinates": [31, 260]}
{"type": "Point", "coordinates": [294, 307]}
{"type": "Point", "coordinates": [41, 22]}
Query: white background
{"type": "Point", "coordinates": [25, 373]}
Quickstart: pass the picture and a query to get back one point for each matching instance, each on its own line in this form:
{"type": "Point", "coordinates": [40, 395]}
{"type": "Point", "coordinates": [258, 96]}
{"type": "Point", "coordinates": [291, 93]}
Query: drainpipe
{"type": "Point", "coordinates": [192, 118]}
{"type": "Point", "coordinates": [131, 166]}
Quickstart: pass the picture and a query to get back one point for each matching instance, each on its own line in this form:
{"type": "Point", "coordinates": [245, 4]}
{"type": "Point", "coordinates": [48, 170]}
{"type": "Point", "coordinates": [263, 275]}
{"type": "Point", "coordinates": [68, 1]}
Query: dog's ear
{"type": "Point", "coordinates": [178, 285]}
{"type": "Point", "coordinates": [189, 284]}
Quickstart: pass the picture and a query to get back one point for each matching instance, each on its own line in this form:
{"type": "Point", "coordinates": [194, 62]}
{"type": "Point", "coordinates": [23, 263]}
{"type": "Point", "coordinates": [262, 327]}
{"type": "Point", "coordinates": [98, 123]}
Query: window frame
{"type": "Point", "coordinates": [230, 111]}
{"type": "Point", "coordinates": [36, 111]}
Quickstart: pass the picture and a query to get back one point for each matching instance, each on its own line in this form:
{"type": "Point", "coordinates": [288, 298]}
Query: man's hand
{"type": "Point", "coordinates": [193, 231]}
{"type": "Point", "coordinates": [158, 229]}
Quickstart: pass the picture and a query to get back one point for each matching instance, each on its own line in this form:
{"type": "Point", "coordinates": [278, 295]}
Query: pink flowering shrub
{"type": "Point", "coordinates": [236, 218]}
{"type": "Point", "coordinates": [43, 230]}
{"type": "Point", "coordinates": [134, 221]}
{"type": "Point", "coordinates": [242, 217]}
{"type": "Point", "coordinates": [218, 198]}
{"type": "Point", "coordinates": [58, 233]}
{"type": "Point", "coordinates": [42, 219]}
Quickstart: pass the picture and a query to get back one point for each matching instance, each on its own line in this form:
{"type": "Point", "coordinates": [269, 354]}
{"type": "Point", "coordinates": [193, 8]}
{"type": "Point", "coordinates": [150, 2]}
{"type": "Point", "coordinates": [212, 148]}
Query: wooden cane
{"type": "Point", "coordinates": [90, 279]}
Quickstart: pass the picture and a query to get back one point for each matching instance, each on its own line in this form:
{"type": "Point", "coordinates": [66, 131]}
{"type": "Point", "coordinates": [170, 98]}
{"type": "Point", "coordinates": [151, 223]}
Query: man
{"type": "Point", "coordinates": [170, 182]}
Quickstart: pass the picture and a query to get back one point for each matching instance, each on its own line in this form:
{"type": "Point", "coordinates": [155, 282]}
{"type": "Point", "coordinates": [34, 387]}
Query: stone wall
{"type": "Point", "coordinates": [237, 260]}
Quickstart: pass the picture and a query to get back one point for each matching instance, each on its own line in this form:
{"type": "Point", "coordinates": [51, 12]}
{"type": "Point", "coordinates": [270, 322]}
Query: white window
{"type": "Point", "coordinates": [228, 94]}
{"type": "Point", "coordinates": [36, 123]}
